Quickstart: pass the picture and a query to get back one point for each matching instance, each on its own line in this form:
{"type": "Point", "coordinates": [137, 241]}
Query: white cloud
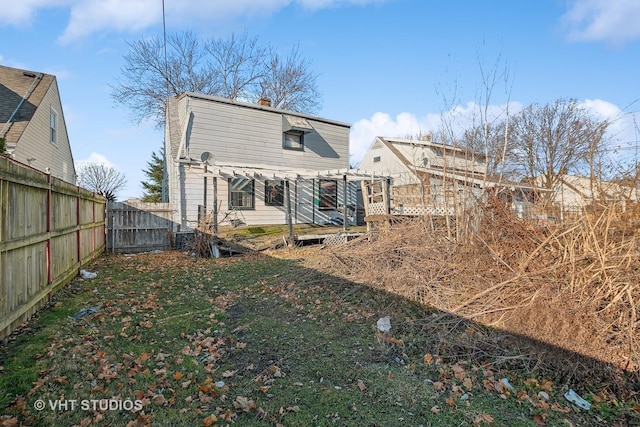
{"type": "Point", "coordinates": [92, 16]}
{"type": "Point", "coordinates": [20, 13]}
{"type": "Point", "coordinates": [98, 158]}
{"type": "Point", "coordinates": [87, 17]}
{"type": "Point", "coordinates": [622, 137]}
{"type": "Point", "coordinates": [407, 125]}
{"type": "Point", "coordinates": [381, 124]}
{"type": "Point", "coordinates": [615, 21]}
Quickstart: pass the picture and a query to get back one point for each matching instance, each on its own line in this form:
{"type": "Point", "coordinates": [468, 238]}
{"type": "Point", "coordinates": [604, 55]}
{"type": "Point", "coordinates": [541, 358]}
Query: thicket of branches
{"type": "Point", "coordinates": [238, 67]}
{"type": "Point", "coordinates": [101, 179]}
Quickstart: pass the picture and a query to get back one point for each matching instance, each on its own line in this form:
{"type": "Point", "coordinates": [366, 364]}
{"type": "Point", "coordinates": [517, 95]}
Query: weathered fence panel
{"type": "Point", "coordinates": [138, 227]}
{"type": "Point", "coordinates": [49, 230]}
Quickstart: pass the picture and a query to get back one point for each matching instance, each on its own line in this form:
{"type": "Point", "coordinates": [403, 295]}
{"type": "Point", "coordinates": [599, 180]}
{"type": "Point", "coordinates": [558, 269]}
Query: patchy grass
{"type": "Point", "coordinates": [258, 340]}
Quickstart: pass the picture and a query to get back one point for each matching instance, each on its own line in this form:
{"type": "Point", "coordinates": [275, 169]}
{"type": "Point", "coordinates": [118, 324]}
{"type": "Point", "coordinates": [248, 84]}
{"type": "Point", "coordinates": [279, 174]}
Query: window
{"type": "Point", "coordinates": [328, 194]}
{"type": "Point", "coordinates": [53, 124]}
{"type": "Point", "coordinates": [274, 193]}
{"type": "Point", "coordinates": [293, 140]}
{"type": "Point", "coordinates": [241, 193]}
{"type": "Point", "coordinates": [376, 159]}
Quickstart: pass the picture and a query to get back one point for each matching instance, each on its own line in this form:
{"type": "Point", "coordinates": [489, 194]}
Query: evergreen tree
{"type": "Point", "coordinates": [155, 171]}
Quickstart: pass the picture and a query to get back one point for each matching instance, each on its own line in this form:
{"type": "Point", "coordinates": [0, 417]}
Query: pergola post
{"type": "Point", "coordinates": [344, 202]}
{"type": "Point", "coordinates": [289, 218]}
{"type": "Point", "coordinates": [215, 208]}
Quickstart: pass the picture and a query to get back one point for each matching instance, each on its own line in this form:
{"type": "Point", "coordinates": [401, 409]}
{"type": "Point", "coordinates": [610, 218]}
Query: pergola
{"type": "Point", "coordinates": [262, 172]}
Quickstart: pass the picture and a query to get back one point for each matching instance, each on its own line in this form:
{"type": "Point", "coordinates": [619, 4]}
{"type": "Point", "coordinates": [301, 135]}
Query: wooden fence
{"type": "Point", "coordinates": [138, 227]}
{"type": "Point", "coordinates": [49, 230]}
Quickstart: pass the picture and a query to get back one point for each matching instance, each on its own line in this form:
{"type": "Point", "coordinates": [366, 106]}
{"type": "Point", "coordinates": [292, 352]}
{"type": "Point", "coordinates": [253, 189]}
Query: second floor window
{"type": "Point", "coordinates": [293, 140]}
{"type": "Point", "coordinates": [54, 127]}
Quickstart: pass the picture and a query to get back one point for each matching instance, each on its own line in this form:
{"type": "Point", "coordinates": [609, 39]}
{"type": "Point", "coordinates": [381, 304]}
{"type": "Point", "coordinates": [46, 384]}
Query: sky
{"type": "Point", "coordinates": [389, 68]}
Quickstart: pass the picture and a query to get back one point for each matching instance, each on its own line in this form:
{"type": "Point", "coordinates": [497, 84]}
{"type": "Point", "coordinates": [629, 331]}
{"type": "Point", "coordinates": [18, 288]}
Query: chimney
{"type": "Point", "coordinates": [265, 102]}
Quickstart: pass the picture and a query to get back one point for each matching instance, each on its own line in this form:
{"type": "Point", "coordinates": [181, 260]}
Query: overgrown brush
{"type": "Point", "coordinates": [572, 285]}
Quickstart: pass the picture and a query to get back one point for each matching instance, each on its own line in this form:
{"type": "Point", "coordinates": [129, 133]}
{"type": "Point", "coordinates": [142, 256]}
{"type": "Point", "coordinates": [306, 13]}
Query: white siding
{"type": "Point", "coordinates": [388, 164]}
{"type": "Point", "coordinates": [240, 135]}
{"type": "Point", "coordinates": [35, 142]}
{"type": "Point", "coordinates": [244, 135]}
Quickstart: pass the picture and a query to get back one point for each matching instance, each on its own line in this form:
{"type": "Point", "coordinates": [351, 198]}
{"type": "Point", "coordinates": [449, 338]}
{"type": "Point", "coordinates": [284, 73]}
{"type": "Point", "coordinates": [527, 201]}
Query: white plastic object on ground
{"type": "Point", "coordinates": [384, 324]}
{"type": "Point", "coordinates": [573, 397]}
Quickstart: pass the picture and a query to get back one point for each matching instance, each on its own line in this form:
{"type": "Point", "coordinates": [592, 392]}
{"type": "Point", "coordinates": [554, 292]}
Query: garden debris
{"type": "Point", "coordinates": [87, 274]}
{"type": "Point", "coordinates": [575, 398]}
{"type": "Point", "coordinates": [384, 324]}
{"type": "Point", "coordinates": [87, 312]}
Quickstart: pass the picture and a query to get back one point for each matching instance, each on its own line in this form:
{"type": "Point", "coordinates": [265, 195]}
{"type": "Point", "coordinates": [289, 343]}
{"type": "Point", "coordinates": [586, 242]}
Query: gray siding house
{"type": "Point", "coordinates": [436, 179]}
{"type": "Point", "coordinates": [241, 157]}
{"type": "Point", "coordinates": [32, 122]}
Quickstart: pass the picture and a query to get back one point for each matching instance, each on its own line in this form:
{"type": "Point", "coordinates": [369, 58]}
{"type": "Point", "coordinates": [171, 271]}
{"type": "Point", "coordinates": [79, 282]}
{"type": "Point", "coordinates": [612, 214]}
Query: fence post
{"type": "Point", "coordinates": [48, 228]}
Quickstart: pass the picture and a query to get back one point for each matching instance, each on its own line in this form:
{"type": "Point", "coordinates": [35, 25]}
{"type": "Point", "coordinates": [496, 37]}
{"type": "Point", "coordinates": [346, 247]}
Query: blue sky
{"type": "Point", "coordinates": [387, 67]}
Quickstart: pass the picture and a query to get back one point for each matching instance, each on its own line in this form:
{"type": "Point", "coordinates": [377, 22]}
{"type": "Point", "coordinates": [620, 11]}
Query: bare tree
{"type": "Point", "coordinates": [101, 179]}
{"type": "Point", "coordinates": [235, 68]}
{"type": "Point", "coordinates": [290, 84]}
{"type": "Point", "coordinates": [146, 79]}
{"type": "Point", "coordinates": [550, 140]}
{"type": "Point", "coordinates": [489, 139]}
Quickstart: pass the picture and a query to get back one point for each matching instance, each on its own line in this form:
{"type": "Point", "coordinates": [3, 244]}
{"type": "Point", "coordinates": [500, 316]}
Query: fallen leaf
{"type": "Point", "coordinates": [244, 403]}
{"type": "Point", "coordinates": [438, 385]}
{"type": "Point", "coordinates": [427, 359]}
{"type": "Point", "coordinates": [457, 368]}
{"type": "Point", "coordinates": [559, 408]}
{"type": "Point", "coordinates": [547, 385]}
{"type": "Point", "coordinates": [539, 419]}
{"type": "Point", "coordinates": [159, 400]}
{"type": "Point", "coordinates": [209, 420]}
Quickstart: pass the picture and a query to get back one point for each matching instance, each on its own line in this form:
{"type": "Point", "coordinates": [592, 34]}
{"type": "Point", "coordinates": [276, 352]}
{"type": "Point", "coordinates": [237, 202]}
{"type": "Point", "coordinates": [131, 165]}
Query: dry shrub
{"type": "Point", "coordinates": [574, 286]}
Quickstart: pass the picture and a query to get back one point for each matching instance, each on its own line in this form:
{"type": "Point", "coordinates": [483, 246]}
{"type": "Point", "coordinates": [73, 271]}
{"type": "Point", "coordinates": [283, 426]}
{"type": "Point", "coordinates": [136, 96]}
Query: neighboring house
{"type": "Point", "coordinates": [245, 158]}
{"type": "Point", "coordinates": [32, 123]}
{"type": "Point", "coordinates": [572, 194]}
{"type": "Point", "coordinates": [436, 179]}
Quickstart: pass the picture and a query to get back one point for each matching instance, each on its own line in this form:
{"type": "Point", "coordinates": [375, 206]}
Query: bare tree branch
{"type": "Point", "coordinates": [101, 179]}
{"type": "Point", "coordinates": [235, 68]}
{"type": "Point", "coordinates": [554, 139]}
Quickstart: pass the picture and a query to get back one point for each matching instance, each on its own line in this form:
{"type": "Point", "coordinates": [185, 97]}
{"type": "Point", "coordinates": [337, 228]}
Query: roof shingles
{"type": "Point", "coordinates": [14, 85]}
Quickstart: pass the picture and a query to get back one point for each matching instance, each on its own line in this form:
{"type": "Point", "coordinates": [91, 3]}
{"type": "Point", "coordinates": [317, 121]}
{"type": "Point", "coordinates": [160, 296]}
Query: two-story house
{"type": "Point", "coordinates": [245, 159]}
{"type": "Point", "coordinates": [436, 179]}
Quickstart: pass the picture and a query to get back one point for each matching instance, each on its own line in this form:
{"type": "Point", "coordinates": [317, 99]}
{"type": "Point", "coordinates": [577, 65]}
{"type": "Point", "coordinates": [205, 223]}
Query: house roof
{"type": "Point", "coordinates": [291, 114]}
{"type": "Point", "coordinates": [608, 190]}
{"type": "Point", "coordinates": [476, 178]}
{"type": "Point", "coordinates": [21, 92]}
{"type": "Point", "coordinates": [422, 143]}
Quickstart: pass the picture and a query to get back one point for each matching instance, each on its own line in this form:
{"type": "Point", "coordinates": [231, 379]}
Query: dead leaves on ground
{"type": "Point", "coordinates": [457, 381]}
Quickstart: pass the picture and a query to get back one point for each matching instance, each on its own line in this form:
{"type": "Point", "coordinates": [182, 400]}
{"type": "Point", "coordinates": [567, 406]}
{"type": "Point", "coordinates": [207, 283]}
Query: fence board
{"type": "Point", "coordinates": [138, 227]}
{"type": "Point", "coordinates": [49, 229]}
